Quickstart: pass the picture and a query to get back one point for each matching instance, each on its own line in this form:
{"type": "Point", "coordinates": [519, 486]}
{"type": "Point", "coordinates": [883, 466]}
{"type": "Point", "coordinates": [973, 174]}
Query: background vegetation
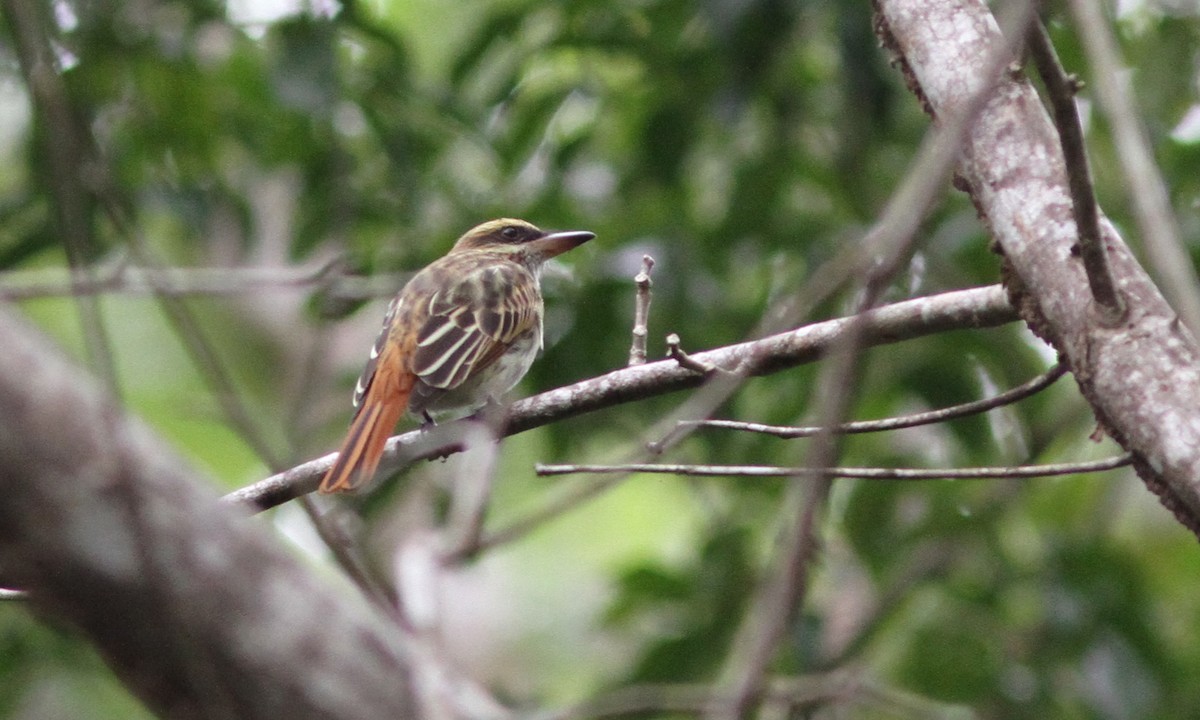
{"type": "Point", "coordinates": [738, 143]}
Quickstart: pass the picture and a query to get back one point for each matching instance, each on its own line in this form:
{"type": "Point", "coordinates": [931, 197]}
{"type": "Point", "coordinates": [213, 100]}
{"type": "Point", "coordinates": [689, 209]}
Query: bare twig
{"type": "Point", "coordinates": [767, 471]}
{"type": "Point", "coordinates": [940, 415]}
{"type": "Point", "coordinates": [9, 594]}
{"type": "Point", "coordinates": [1148, 191]}
{"type": "Point", "coordinates": [641, 312]}
{"type": "Point", "coordinates": [1061, 90]}
{"type": "Point", "coordinates": [679, 355]}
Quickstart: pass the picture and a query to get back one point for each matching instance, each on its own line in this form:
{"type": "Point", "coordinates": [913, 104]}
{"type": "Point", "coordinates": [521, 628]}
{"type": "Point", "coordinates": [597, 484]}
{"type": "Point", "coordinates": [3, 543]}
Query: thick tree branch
{"type": "Point", "coordinates": [1142, 377]}
{"type": "Point", "coordinates": [974, 308]}
{"type": "Point", "coordinates": [195, 608]}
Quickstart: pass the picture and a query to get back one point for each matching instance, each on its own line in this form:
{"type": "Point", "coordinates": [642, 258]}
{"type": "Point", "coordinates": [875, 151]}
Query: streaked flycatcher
{"type": "Point", "coordinates": [461, 333]}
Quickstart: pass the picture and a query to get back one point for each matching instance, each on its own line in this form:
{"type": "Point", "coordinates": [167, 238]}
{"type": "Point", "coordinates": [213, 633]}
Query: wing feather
{"type": "Point", "coordinates": [368, 373]}
{"type": "Point", "coordinates": [473, 322]}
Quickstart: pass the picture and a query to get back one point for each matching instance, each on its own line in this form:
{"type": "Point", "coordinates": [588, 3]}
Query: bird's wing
{"type": "Point", "coordinates": [473, 321]}
{"type": "Point", "coordinates": [368, 373]}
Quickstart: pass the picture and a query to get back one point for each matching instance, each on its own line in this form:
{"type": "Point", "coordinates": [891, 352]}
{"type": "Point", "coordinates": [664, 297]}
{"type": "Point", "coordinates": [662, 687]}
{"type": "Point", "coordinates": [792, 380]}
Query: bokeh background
{"type": "Point", "coordinates": [294, 160]}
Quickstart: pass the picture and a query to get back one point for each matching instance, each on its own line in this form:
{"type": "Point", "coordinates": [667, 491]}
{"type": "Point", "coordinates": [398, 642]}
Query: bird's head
{"type": "Point", "coordinates": [522, 238]}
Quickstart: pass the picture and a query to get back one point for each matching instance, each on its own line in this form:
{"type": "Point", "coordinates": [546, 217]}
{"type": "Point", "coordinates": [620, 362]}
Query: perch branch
{"type": "Point", "coordinates": [974, 308]}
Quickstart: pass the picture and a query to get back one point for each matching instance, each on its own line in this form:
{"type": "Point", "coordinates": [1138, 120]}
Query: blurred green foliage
{"type": "Point", "coordinates": [740, 144]}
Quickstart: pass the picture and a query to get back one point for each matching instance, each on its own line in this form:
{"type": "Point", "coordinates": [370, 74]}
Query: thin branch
{"type": "Point", "coordinates": [120, 277]}
{"type": "Point", "coordinates": [195, 342]}
{"type": "Point", "coordinates": [9, 594]}
{"type": "Point", "coordinates": [931, 559]}
{"type": "Point", "coordinates": [767, 471]}
{"type": "Point", "coordinates": [909, 319]}
{"type": "Point", "coordinates": [930, 417]}
{"type": "Point", "coordinates": [472, 488]}
{"type": "Point", "coordinates": [641, 312]}
{"type": "Point", "coordinates": [1061, 90]}
{"type": "Point", "coordinates": [349, 557]}
{"type": "Point", "coordinates": [1147, 190]}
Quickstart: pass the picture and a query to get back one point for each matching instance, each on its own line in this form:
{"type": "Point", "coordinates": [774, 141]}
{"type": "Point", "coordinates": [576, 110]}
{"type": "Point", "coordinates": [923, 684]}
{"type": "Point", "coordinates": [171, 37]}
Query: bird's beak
{"type": "Point", "coordinates": [558, 243]}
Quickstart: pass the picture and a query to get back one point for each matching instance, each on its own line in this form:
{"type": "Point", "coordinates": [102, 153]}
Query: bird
{"type": "Point", "coordinates": [461, 333]}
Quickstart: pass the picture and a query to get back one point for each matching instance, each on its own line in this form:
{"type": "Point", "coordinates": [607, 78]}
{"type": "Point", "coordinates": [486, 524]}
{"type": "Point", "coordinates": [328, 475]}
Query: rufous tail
{"type": "Point", "coordinates": [359, 455]}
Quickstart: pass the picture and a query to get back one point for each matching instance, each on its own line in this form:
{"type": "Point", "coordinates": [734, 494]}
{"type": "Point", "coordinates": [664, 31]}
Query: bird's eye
{"type": "Point", "coordinates": [511, 232]}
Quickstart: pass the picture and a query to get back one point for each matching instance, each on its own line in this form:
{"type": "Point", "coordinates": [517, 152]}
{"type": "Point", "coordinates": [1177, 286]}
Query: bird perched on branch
{"type": "Point", "coordinates": [462, 332]}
